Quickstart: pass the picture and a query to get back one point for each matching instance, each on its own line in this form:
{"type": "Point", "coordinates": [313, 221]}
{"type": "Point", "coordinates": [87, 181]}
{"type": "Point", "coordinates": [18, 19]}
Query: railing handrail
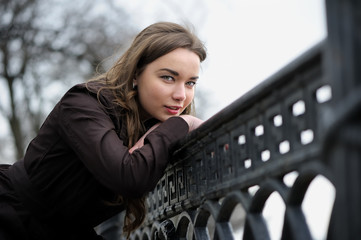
{"type": "Point", "coordinates": [251, 97]}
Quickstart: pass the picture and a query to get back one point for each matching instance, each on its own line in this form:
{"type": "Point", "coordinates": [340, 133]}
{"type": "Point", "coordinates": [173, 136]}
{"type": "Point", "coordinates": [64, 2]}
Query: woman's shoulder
{"type": "Point", "coordinates": [87, 97]}
{"type": "Point", "coordinates": [94, 90]}
{"type": "Point", "coordinates": [89, 87]}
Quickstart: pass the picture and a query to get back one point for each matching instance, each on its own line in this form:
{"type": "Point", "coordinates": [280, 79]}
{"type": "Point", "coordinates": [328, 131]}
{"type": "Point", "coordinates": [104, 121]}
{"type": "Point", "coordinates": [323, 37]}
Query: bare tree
{"type": "Point", "coordinates": [46, 44]}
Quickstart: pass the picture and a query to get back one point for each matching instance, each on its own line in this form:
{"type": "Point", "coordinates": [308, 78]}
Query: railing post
{"type": "Point", "coordinates": [342, 145]}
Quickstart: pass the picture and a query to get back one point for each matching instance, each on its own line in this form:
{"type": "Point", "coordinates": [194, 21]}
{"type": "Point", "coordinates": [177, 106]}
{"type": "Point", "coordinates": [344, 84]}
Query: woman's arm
{"type": "Point", "coordinates": [86, 127]}
{"type": "Point", "coordinates": [140, 142]}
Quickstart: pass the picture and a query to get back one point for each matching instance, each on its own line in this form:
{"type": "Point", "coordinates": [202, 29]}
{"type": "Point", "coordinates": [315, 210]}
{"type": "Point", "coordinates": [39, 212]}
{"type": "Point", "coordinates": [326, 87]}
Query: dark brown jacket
{"type": "Point", "coordinates": [79, 161]}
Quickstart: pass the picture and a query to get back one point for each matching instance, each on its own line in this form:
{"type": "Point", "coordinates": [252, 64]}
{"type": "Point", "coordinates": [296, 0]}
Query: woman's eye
{"type": "Point", "coordinates": [191, 83]}
{"type": "Point", "coordinates": [167, 78]}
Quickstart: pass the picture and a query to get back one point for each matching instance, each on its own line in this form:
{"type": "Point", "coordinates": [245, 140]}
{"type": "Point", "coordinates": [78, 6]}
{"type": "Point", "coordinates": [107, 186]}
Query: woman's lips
{"type": "Point", "coordinates": [173, 109]}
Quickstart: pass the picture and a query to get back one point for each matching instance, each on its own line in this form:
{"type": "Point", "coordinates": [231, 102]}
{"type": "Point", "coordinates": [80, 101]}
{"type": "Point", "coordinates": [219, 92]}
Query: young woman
{"type": "Point", "coordinates": [106, 143]}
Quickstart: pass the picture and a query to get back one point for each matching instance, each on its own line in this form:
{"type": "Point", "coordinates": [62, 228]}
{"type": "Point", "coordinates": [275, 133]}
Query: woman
{"type": "Point", "coordinates": [106, 143]}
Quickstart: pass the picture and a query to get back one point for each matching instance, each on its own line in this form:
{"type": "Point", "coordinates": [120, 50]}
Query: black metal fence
{"type": "Point", "coordinates": [303, 123]}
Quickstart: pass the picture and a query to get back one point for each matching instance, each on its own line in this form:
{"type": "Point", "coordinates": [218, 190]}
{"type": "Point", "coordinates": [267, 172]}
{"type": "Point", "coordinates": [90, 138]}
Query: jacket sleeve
{"type": "Point", "coordinates": [90, 132]}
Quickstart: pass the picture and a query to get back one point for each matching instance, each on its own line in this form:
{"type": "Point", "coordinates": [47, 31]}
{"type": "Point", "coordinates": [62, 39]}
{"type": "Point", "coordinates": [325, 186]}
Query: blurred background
{"type": "Point", "coordinates": [46, 46]}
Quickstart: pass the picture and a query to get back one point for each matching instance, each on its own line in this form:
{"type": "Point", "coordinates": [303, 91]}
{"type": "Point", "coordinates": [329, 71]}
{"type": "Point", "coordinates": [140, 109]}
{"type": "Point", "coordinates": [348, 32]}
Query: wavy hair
{"type": "Point", "coordinates": [151, 43]}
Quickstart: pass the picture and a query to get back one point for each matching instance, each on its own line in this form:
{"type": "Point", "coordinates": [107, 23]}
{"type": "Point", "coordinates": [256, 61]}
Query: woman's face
{"type": "Point", "coordinates": [166, 86]}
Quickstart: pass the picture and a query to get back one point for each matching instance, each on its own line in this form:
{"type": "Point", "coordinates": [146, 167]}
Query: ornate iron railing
{"type": "Point", "coordinates": [303, 122]}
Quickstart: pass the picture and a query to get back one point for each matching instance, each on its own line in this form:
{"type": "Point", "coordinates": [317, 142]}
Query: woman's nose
{"type": "Point", "coordinates": [179, 93]}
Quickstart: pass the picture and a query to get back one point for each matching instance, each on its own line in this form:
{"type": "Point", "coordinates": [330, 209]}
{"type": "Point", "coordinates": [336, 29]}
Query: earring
{"type": "Point", "coordinates": [134, 85]}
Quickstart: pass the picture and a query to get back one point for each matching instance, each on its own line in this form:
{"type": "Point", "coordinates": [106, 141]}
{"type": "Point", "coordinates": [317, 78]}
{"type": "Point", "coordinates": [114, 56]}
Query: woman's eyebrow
{"type": "Point", "coordinates": [170, 71]}
{"type": "Point", "coordinates": [175, 73]}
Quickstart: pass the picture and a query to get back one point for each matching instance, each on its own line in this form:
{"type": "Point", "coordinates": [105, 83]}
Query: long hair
{"type": "Point", "coordinates": [153, 42]}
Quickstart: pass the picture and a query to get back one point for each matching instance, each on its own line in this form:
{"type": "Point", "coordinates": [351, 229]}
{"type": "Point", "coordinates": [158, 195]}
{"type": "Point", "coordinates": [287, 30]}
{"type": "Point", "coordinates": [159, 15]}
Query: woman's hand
{"type": "Point", "coordinates": [192, 121]}
{"type": "Point", "coordinates": [140, 142]}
